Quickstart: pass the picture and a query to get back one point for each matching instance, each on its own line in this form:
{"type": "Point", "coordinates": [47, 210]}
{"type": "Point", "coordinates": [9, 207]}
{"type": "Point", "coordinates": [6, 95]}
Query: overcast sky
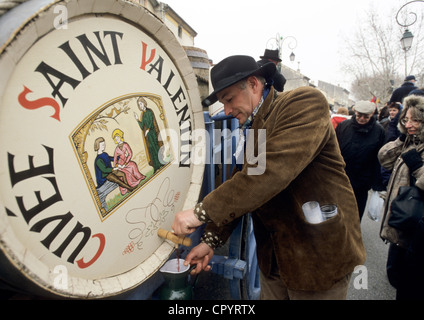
{"type": "Point", "coordinates": [228, 27]}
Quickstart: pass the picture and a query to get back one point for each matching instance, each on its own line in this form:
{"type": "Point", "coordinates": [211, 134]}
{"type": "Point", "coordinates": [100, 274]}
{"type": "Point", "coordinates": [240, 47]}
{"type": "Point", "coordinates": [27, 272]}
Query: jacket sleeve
{"type": "Point", "coordinates": [419, 175]}
{"type": "Point", "coordinates": [389, 153]}
{"type": "Point", "coordinates": [301, 129]}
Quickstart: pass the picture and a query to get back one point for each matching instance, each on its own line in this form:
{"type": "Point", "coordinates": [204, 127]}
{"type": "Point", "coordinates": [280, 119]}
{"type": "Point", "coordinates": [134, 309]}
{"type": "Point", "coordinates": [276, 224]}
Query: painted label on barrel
{"type": "Point", "coordinates": [96, 126]}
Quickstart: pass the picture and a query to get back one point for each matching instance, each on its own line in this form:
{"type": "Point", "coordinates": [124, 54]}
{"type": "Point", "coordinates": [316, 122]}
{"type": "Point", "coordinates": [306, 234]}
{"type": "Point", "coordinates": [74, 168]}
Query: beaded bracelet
{"type": "Point", "coordinates": [212, 240]}
{"type": "Point", "coordinates": [200, 213]}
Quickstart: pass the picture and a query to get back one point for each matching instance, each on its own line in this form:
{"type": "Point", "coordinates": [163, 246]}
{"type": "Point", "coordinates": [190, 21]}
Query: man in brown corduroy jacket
{"type": "Point", "coordinates": [300, 162]}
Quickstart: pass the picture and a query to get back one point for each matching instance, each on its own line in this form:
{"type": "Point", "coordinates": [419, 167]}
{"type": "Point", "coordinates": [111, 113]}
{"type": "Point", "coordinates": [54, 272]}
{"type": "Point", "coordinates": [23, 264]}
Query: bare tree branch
{"type": "Point", "coordinates": [375, 59]}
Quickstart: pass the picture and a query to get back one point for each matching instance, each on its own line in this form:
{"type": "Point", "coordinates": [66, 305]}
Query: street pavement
{"type": "Point", "coordinates": [378, 287]}
{"type": "Point", "coordinates": [368, 283]}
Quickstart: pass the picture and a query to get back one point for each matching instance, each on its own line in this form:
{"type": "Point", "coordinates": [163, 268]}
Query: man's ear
{"type": "Point", "coordinates": [253, 83]}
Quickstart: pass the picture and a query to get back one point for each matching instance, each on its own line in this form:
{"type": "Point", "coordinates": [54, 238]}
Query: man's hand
{"type": "Point", "coordinates": [185, 222]}
{"type": "Point", "coordinates": [200, 255]}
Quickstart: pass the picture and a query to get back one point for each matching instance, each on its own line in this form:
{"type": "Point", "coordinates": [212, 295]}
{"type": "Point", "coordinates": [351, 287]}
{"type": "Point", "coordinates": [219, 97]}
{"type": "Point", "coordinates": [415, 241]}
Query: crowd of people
{"type": "Point", "coordinates": [393, 139]}
{"type": "Point", "coordinates": [310, 159]}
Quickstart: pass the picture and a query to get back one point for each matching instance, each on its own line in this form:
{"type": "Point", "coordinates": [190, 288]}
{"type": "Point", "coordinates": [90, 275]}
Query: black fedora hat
{"type": "Point", "coordinates": [234, 69]}
{"type": "Point", "coordinates": [271, 54]}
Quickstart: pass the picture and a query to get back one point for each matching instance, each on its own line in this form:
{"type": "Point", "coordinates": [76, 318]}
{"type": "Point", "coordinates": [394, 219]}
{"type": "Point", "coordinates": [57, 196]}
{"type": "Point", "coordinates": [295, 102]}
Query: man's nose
{"type": "Point", "coordinates": [227, 110]}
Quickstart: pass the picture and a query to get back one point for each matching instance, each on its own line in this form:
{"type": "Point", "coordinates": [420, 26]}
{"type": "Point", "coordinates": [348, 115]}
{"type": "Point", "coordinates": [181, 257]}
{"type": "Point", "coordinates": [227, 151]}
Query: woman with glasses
{"type": "Point", "coordinates": [404, 157]}
{"type": "Point", "coordinates": [360, 138]}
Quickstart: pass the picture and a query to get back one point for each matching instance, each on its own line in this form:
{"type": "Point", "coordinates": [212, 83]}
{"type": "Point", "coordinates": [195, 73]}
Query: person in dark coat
{"type": "Point", "coordinates": [417, 92]}
{"type": "Point", "coordinates": [400, 93]}
{"type": "Point", "coordinates": [360, 139]}
{"type": "Point", "coordinates": [273, 56]}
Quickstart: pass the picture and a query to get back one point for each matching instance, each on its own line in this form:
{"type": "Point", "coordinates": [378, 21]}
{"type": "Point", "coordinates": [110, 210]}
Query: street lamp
{"type": "Point", "coordinates": [406, 40]}
{"type": "Point", "coordinates": [279, 40]}
{"type": "Point", "coordinates": [407, 37]}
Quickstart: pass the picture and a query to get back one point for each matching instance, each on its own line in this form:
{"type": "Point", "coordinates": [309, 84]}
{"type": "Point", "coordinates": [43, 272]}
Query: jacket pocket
{"type": "Point", "coordinates": [326, 232]}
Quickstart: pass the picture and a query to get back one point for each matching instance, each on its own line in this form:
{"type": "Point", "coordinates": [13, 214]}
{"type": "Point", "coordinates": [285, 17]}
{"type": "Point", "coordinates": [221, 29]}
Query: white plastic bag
{"type": "Point", "coordinates": [375, 206]}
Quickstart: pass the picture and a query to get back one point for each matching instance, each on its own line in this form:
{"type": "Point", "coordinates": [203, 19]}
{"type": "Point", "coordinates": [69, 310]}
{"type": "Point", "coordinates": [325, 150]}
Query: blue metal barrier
{"type": "Point", "coordinates": [221, 147]}
{"type": "Point", "coordinates": [240, 266]}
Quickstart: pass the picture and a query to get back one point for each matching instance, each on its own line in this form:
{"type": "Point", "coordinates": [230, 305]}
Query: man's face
{"type": "Point", "coordinates": [240, 102]}
{"type": "Point", "coordinates": [362, 118]}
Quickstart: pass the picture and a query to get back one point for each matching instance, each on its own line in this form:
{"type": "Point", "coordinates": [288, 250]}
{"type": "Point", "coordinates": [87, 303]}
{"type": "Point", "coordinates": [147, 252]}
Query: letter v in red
{"type": "Point", "coordinates": [145, 62]}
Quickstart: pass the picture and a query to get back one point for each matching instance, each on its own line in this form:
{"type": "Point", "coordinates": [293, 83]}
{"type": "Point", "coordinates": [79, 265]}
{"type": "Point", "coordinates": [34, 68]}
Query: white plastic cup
{"type": "Point", "coordinates": [312, 212]}
{"type": "Point", "coordinates": [329, 211]}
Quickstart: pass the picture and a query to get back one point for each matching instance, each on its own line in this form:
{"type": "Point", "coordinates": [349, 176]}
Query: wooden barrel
{"type": "Point", "coordinates": [101, 144]}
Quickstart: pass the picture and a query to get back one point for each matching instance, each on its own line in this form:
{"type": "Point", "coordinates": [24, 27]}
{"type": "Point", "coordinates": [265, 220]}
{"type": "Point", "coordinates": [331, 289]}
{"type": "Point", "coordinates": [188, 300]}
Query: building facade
{"type": "Point", "coordinates": [185, 35]}
{"type": "Point", "coordinates": [337, 96]}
